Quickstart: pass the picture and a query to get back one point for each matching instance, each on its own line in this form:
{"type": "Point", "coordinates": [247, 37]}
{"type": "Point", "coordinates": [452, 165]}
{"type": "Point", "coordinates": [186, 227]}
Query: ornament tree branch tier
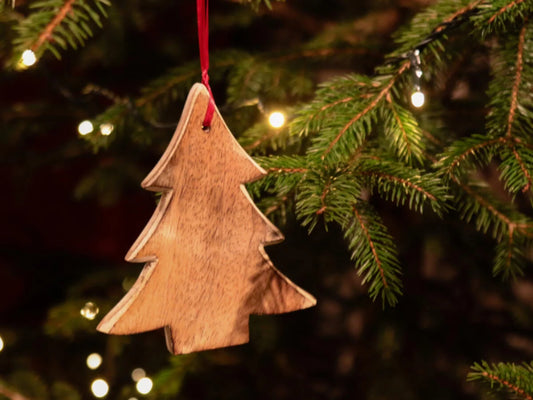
{"type": "Point", "coordinates": [206, 269]}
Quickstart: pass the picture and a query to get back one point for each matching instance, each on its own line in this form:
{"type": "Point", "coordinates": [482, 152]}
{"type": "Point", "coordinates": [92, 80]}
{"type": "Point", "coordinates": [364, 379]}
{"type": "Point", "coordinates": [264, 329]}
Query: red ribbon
{"type": "Point", "coordinates": [202, 12]}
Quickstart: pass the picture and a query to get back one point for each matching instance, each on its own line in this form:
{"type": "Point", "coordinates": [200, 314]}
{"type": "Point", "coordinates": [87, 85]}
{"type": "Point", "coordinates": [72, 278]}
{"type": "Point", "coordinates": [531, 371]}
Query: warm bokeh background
{"type": "Point", "coordinates": [68, 216]}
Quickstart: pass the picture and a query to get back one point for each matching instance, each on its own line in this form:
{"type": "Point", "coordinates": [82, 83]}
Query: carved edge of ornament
{"type": "Point", "coordinates": [107, 324]}
{"type": "Point", "coordinates": [275, 236]}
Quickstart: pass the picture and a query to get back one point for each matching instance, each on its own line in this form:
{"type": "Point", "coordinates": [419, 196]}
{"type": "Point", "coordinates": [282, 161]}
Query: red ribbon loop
{"type": "Point", "coordinates": [202, 12]}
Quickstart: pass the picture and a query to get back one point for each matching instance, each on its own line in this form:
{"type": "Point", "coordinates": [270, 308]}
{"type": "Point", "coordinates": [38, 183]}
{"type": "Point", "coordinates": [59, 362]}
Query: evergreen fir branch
{"type": "Point", "coordinates": [374, 253]}
{"type": "Point", "coordinates": [517, 168]}
{"type": "Point", "coordinates": [400, 184]}
{"type": "Point", "coordinates": [514, 379]}
{"type": "Point", "coordinates": [261, 137]}
{"type": "Point", "coordinates": [502, 15]}
{"type": "Point", "coordinates": [509, 260]}
{"type": "Point", "coordinates": [504, 9]}
{"type": "Point", "coordinates": [511, 106]}
{"type": "Point", "coordinates": [262, 80]}
{"type": "Point", "coordinates": [176, 82]}
{"type": "Point", "coordinates": [275, 192]}
{"type": "Point", "coordinates": [168, 85]}
{"type": "Point", "coordinates": [432, 24]}
{"type": "Point", "coordinates": [475, 203]}
{"type": "Point", "coordinates": [155, 95]}
{"type": "Point", "coordinates": [518, 77]}
{"type": "Point", "coordinates": [277, 208]}
{"type": "Point", "coordinates": [360, 116]}
{"type": "Point", "coordinates": [327, 194]}
{"type": "Point", "coordinates": [405, 135]}
{"type": "Point", "coordinates": [331, 99]}
{"type": "Point", "coordinates": [468, 153]}
{"type": "Point", "coordinates": [284, 173]}
{"type": "Point", "coordinates": [57, 23]}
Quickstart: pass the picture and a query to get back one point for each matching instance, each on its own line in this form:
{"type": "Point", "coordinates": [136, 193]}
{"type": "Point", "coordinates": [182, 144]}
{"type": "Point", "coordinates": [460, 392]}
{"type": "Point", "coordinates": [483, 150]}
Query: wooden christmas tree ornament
{"type": "Point", "coordinates": [206, 270]}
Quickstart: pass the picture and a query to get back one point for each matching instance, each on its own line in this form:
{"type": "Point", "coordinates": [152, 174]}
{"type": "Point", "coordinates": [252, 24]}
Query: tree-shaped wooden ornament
{"type": "Point", "coordinates": [206, 270]}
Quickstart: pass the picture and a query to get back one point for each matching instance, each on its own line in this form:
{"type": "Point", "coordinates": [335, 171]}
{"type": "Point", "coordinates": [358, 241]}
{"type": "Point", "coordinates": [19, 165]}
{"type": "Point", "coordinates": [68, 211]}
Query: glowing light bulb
{"type": "Point", "coordinates": [137, 374]}
{"type": "Point", "coordinates": [85, 127]}
{"type": "Point", "coordinates": [418, 99]}
{"type": "Point", "coordinates": [94, 360]}
{"type": "Point", "coordinates": [1, 343]}
{"type": "Point", "coordinates": [28, 58]}
{"type": "Point", "coordinates": [106, 129]}
{"type": "Point", "coordinates": [99, 387]}
{"type": "Point", "coordinates": [89, 310]}
{"type": "Point", "coordinates": [144, 385]}
{"type": "Point", "coordinates": [276, 119]}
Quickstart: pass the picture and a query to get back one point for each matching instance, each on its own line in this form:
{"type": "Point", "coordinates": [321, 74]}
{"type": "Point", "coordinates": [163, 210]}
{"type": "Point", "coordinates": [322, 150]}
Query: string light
{"type": "Point", "coordinates": [1, 343]}
{"type": "Point", "coordinates": [85, 127]}
{"type": "Point", "coordinates": [89, 310]}
{"type": "Point", "coordinates": [137, 374]}
{"type": "Point", "coordinates": [100, 388]}
{"type": "Point", "coordinates": [276, 119]}
{"type": "Point", "coordinates": [28, 58]}
{"type": "Point", "coordinates": [94, 360]}
{"type": "Point", "coordinates": [418, 99]}
{"type": "Point", "coordinates": [106, 129]}
{"type": "Point", "coordinates": [144, 386]}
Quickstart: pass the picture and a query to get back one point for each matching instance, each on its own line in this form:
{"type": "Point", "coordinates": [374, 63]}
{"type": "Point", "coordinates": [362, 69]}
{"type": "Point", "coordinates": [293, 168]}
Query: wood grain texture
{"type": "Point", "coordinates": [206, 269]}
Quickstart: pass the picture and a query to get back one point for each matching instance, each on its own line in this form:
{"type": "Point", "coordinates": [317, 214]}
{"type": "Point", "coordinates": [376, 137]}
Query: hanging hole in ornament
{"type": "Point", "coordinates": [206, 129]}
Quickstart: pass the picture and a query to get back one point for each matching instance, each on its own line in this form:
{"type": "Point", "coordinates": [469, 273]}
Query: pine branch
{"type": "Point", "coordinates": [371, 106]}
{"type": "Point", "coordinates": [518, 78]}
{"type": "Point", "coordinates": [284, 174]}
{"type": "Point", "coordinates": [475, 202]}
{"type": "Point", "coordinates": [327, 194]}
{"type": "Point", "coordinates": [504, 9]}
{"type": "Point", "coordinates": [47, 32]}
{"type": "Point", "coordinates": [374, 254]}
{"type": "Point", "coordinates": [400, 184]}
{"type": "Point", "coordinates": [514, 379]}
{"type": "Point", "coordinates": [511, 229]}
{"type": "Point", "coordinates": [509, 261]}
{"type": "Point", "coordinates": [265, 81]}
{"type": "Point", "coordinates": [56, 24]}
{"type": "Point", "coordinates": [431, 26]}
{"type": "Point", "coordinates": [331, 99]}
{"type": "Point", "coordinates": [511, 106]}
{"type": "Point", "coordinates": [502, 16]}
{"type": "Point", "coordinates": [405, 134]}
{"type": "Point", "coordinates": [517, 168]}
{"type": "Point", "coordinates": [175, 83]}
{"type": "Point", "coordinates": [262, 138]}
{"type": "Point", "coordinates": [469, 153]}
{"type": "Point", "coordinates": [132, 117]}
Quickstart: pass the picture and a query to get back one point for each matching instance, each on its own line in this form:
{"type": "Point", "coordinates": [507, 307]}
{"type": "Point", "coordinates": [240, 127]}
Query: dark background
{"type": "Point", "coordinates": [62, 243]}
